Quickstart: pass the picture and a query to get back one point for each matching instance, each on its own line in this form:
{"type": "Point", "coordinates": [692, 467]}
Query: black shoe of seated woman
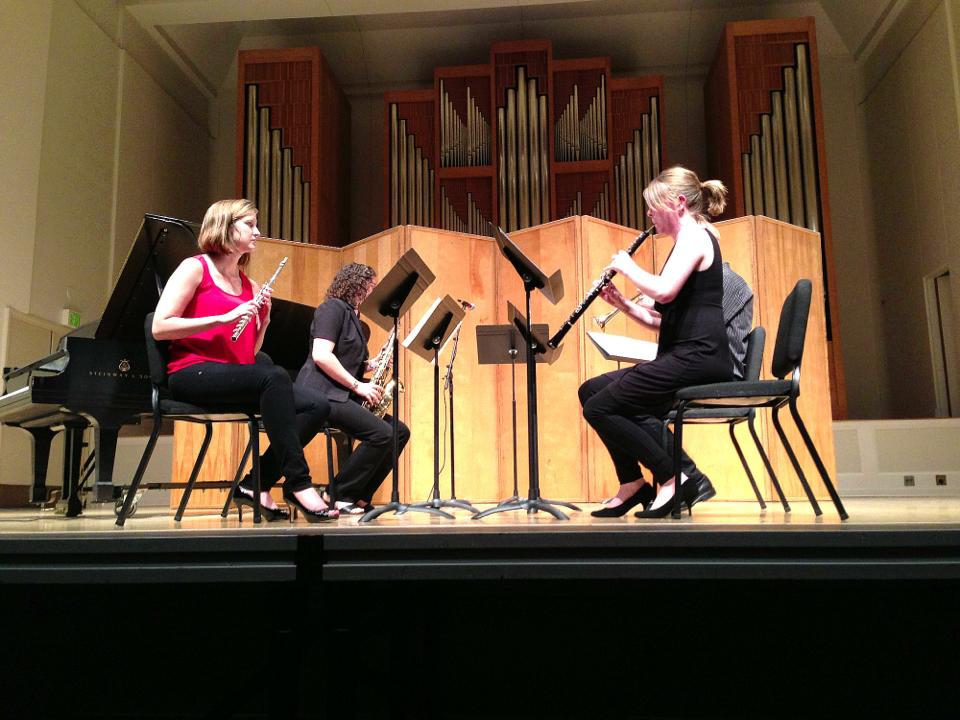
{"type": "Point", "coordinates": [643, 497]}
{"type": "Point", "coordinates": [697, 488]}
{"type": "Point", "coordinates": [311, 515]}
{"type": "Point", "coordinates": [244, 498]}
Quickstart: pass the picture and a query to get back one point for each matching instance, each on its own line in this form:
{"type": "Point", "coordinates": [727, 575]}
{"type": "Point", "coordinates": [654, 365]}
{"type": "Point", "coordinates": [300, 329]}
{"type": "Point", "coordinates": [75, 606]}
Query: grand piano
{"type": "Point", "coordinates": [99, 375]}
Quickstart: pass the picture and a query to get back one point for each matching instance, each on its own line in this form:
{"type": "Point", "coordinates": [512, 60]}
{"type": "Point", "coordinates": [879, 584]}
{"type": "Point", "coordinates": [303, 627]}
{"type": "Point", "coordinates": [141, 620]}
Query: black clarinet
{"type": "Point", "coordinates": [595, 291]}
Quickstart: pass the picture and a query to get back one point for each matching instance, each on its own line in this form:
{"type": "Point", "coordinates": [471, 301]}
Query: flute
{"type": "Point", "coordinates": [245, 320]}
{"type": "Point", "coordinates": [595, 291]}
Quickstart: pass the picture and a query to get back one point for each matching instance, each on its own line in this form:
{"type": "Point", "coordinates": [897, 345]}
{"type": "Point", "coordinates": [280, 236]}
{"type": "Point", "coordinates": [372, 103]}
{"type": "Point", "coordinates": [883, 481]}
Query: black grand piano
{"type": "Point", "coordinates": [99, 376]}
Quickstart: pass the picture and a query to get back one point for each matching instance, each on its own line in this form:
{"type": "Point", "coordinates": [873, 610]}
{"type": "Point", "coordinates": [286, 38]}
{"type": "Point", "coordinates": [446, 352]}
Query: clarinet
{"type": "Point", "coordinates": [245, 320]}
{"type": "Point", "coordinates": [595, 291]}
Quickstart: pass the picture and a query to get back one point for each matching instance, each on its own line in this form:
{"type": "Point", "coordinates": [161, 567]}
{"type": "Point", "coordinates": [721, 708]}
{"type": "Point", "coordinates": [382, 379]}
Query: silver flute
{"type": "Point", "coordinates": [258, 299]}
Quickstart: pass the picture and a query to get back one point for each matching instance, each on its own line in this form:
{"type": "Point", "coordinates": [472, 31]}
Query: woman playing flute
{"type": "Point", "coordinates": [205, 298]}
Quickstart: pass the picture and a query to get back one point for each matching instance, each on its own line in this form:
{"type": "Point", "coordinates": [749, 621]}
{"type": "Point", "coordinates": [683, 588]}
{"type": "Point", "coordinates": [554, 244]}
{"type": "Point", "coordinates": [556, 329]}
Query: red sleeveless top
{"type": "Point", "coordinates": [214, 345]}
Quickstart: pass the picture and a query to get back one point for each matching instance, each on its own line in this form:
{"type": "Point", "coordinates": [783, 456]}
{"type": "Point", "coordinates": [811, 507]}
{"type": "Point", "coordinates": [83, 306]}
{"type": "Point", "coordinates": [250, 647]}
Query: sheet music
{"type": "Point", "coordinates": [622, 348]}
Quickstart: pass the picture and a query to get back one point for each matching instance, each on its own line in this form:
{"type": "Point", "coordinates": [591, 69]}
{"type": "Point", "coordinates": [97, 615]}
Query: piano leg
{"type": "Point", "coordinates": [106, 444]}
{"type": "Point", "coordinates": [42, 436]}
{"type": "Point", "coordinates": [73, 446]}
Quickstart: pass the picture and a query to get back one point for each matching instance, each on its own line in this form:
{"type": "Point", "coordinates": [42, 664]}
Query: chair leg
{"type": "Point", "coordinates": [746, 467]}
{"type": "Point", "coordinates": [766, 463]}
{"type": "Point", "coordinates": [236, 480]}
{"type": "Point", "coordinates": [138, 475]}
{"type": "Point", "coordinates": [811, 448]}
{"type": "Point", "coordinates": [255, 449]}
{"type": "Point", "coordinates": [327, 432]}
{"type": "Point", "coordinates": [677, 452]}
{"type": "Point", "coordinates": [207, 437]}
{"type": "Point", "coordinates": [793, 461]}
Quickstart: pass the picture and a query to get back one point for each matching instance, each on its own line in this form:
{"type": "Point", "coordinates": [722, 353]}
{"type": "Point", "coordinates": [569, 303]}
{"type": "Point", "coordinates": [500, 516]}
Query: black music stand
{"type": "Point", "coordinates": [427, 339]}
{"type": "Point", "coordinates": [393, 296]}
{"type": "Point", "coordinates": [499, 345]}
{"type": "Point", "coordinates": [552, 288]}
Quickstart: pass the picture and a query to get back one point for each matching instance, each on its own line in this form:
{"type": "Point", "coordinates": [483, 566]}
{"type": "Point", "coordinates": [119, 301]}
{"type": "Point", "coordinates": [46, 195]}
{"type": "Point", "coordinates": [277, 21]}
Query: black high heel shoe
{"type": "Point", "coordinates": [691, 492]}
{"type": "Point", "coordinates": [644, 496]}
{"type": "Point", "coordinates": [311, 515]}
{"type": "Point", "coordinates": [241, 500]}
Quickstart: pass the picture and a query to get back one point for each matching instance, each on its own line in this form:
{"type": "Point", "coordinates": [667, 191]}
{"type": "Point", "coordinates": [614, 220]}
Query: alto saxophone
{"type": "Point", "coordinates": [382, 378]}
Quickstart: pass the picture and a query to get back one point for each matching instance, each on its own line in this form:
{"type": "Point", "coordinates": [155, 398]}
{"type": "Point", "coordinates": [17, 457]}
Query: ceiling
{"type": "Point", "coordinates": [371, 47]}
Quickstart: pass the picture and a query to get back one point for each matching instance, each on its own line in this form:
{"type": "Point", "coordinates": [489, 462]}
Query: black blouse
{"type": "Point", "coordinates": [335, 320]}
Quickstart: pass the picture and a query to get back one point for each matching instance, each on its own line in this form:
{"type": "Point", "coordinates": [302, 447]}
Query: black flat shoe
{"type": "Point", "coordinates": [644, 496]}
{"type": "Point", "coordinates": [241, 500]}
{"type": "Point", "coordinates": [311, 515]}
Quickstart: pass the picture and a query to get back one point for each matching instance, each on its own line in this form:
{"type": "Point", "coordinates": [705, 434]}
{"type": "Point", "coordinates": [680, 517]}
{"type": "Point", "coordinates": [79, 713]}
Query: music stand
{"type": "Point", "coordinates": [552, 288]}
{"type": "Point", "coordinates": [427, 339]}
{"type": "Point", "coordinates": [498, 345]}
{"type": "Point", "coordinates": [393, 296]}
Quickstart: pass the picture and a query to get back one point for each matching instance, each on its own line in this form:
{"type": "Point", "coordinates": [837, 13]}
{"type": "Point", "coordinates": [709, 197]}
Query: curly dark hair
{"type": "Point", "coordinates": [350, 282]}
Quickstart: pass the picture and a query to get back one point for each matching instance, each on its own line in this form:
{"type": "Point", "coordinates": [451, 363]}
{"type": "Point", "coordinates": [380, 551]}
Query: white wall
{"type": "Point", "coordinates": [25, 28]}
{"type": "Point", "coordinates": [912, 142]}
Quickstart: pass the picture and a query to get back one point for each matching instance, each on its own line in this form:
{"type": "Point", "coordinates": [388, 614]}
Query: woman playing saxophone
{"type": "Point", "coordinates": [335, 367]}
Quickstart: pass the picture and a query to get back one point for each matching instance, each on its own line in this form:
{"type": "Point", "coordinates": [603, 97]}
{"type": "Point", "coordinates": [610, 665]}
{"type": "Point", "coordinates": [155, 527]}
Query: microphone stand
{"type": "Point", "coordinates": [448, 386]}
{"type": "Point", "coordinates": [513, 352]}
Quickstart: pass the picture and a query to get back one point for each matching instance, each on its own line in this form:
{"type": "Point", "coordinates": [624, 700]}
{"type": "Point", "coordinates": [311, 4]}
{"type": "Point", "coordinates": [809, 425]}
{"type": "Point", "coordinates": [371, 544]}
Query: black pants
{"type": "Point", "coordinates": [372, 460]}
{"type": "Point", "coordinates": [632, 432]}
{"type": "Point", "coordinates": [292, 415]}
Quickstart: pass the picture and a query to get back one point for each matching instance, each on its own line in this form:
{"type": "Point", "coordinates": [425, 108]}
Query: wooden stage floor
{"type": "Point", "coordinates": [760, 614]}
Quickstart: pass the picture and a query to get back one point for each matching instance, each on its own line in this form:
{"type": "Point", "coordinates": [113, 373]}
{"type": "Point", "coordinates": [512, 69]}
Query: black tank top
{"type": "Point", "coordinates": [692, 324]}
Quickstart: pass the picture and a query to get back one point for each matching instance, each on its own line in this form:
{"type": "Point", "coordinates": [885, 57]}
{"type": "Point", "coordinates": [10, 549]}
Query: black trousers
{"type": "Point", "coordinates": [372, 460]}
{"type": "Point", "coordinates": [292, 415]}
{"type": "Point", "coordinates": [632, 431]}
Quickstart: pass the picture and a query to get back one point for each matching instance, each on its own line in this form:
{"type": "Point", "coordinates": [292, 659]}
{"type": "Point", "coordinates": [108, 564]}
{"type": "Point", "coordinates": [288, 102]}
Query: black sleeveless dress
{"type": "Point", "coordinates": [692, 348]}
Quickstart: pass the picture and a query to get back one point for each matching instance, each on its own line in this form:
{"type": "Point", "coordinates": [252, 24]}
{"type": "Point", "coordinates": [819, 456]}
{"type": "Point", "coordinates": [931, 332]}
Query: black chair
{"type": "Point", "coordinates": [165, 407]}
{"type": "Point", "coordinates": [327, 430]}
{"type": "Point", "coordinates": [774, 394]}
{"type": "Point", "coordinates": [733, 416]}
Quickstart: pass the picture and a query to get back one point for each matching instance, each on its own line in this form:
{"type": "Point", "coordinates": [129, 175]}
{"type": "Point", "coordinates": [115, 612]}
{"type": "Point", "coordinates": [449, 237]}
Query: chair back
{"type": "Point", "coordinates": [156, 353]}
{"type": "Point", "coordinates": [792, 330]}
{"type": "Point", "coordinates": [753, 361]}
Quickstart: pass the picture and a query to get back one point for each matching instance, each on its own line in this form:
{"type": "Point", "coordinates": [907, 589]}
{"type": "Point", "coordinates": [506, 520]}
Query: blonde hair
{"type": "Point", "coordinates": [215, 237]}
{"type": "Point", "coordinates": [703, 199]}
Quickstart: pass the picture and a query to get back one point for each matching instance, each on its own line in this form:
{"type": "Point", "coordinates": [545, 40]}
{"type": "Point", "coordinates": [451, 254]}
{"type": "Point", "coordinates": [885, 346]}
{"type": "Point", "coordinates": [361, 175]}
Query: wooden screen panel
{"type": "Point", "coordinates": [465, 269]}
{"type": "Point", "coordinates": [562, 471]}
{"type": "Point", "coordinates": [600, 241]}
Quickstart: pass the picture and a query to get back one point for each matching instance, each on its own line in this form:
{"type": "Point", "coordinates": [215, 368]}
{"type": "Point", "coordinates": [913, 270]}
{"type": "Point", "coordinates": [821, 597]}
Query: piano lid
{"type": "Point", "coordinates": [160, 246]}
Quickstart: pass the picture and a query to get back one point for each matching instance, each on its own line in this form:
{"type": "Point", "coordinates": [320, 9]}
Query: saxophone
{"type": "Point", "coordinates": [382, 378]}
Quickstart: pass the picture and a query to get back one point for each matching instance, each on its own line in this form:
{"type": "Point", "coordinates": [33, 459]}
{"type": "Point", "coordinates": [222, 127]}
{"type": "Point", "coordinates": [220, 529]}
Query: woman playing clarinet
{"type": "Point", "coordinates": [205, 298]}
{"type": "Point", "coordinates": [627, 407]}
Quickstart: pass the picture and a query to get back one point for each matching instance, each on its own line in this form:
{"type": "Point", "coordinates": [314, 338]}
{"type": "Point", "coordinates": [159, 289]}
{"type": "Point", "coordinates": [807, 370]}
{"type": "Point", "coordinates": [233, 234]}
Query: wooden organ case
{"type": "Point", "coordinates": [765, 141]}
{"type": "Point", "coordinates": [522, 141]}
{"type": "Point", "coordinates": [293, 133]}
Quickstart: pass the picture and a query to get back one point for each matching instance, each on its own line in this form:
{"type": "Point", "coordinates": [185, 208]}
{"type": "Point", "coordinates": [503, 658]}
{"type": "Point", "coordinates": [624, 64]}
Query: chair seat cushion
{"type": "Point", "coordinates": [734, 391]}
{"type": "Point", "coordinates": [222, 413]}
{"type": "Point", "coordinates": [713, 413]}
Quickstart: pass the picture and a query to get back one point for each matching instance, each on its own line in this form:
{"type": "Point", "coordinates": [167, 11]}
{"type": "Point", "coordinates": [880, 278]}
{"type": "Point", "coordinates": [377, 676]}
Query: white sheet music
{"type": "Point", "coordinates": [622, 348]}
